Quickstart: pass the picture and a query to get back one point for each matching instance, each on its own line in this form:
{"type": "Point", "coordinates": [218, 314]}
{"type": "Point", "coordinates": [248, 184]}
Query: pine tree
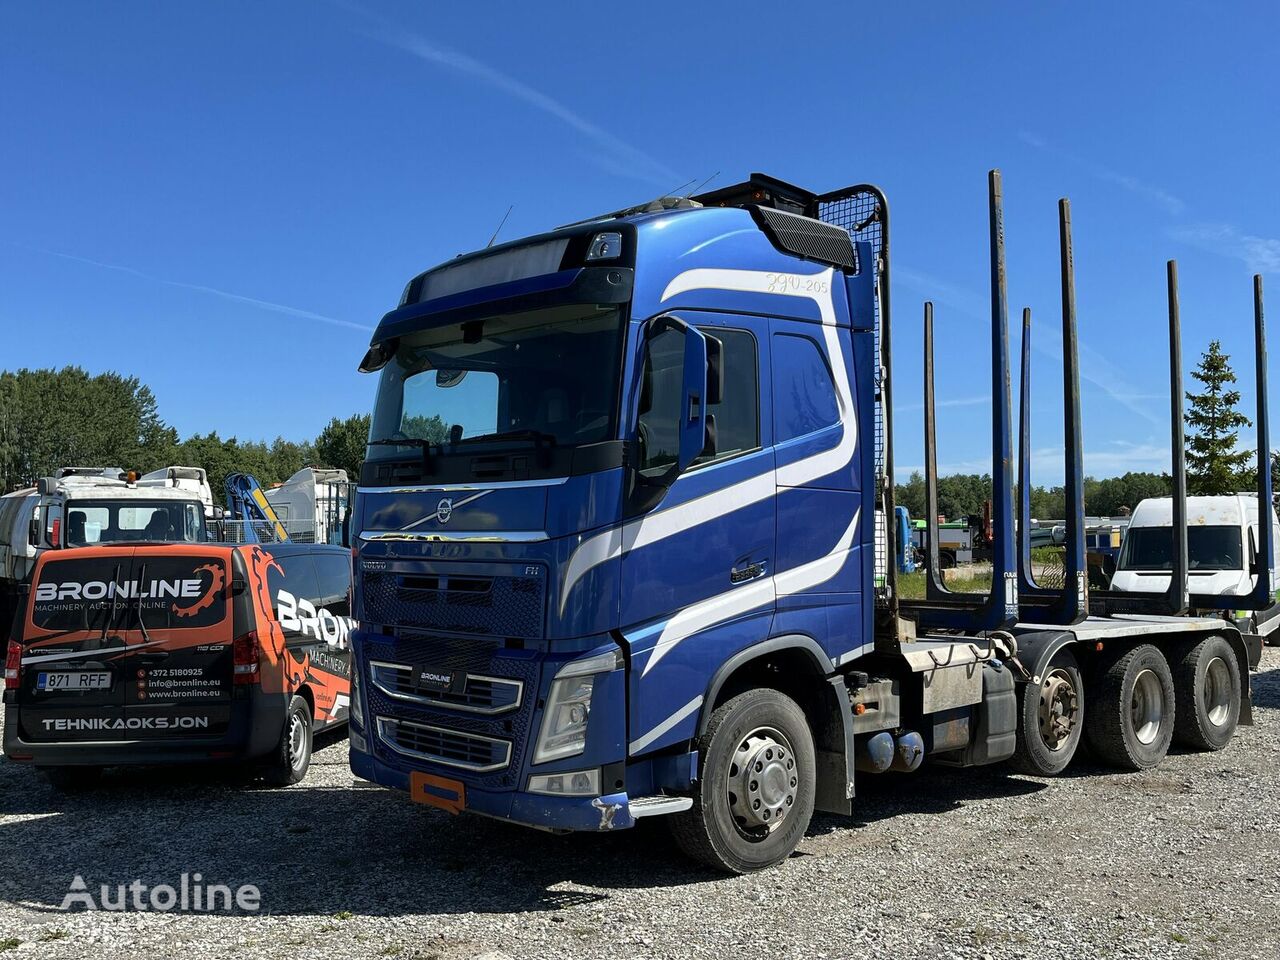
{"type": "Point", "coordinates": [1214, 465]}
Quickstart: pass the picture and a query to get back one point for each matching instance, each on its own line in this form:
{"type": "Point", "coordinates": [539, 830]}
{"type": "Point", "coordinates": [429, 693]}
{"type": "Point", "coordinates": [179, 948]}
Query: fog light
{"type": "Point", "coordinates": [574, 783]}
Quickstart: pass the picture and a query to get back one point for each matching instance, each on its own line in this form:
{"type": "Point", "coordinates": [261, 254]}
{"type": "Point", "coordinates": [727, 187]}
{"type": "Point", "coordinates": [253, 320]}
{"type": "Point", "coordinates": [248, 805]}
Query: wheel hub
{"type": "Point", "coordinates": [1217, 691]}
{"type": "Point", "coordinates": [1147, 707]}
{"type": "Point", "coordinates": [1059, 709]}
{"type": "Point", "coordinates": [297, 741]}
{"type": "Point", "coordinates": [762, 781]}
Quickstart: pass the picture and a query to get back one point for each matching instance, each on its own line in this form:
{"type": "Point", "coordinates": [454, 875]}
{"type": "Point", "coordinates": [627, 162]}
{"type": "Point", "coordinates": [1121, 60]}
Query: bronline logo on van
{"type": "Point", "coordinates": [193, 589]}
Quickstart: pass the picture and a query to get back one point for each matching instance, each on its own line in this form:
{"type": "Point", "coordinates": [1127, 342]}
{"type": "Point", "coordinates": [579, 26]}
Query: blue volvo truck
{"type": "Point", "coordinates": [620, 547]}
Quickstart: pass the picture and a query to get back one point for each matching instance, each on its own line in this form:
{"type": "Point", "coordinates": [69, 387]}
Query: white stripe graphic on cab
{"type": "Point", "coordinates": [734, 602]}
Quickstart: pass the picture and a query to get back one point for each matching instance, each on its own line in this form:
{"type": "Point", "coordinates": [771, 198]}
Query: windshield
{"type": "Point", "coordinates": [1208, 548]}
{"type": "Point", "coordinates": [122, 521]}
{"type": "Point", "coordinates": [545, 376]}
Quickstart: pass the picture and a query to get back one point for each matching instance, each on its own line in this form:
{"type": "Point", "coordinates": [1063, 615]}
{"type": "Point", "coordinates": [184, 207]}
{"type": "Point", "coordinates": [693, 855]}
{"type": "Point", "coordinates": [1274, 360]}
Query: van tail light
{"type": "Point", "coordinates": [245, 654]}
{"type": "Point", "coordinates": [12, 665]}
{"type": "Point", "coordinates": [55, 534]}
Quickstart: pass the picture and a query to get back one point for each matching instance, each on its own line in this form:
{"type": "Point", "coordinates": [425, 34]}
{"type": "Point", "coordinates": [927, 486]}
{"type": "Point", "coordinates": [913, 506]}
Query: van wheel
{"type": "Point", "coordinates": [755, 793]}
{"type": "Point", "coordinates": [292, 756]}
{"type": "Point", "coordinates": [1131, 715]}
{"type": "Point", "coordinates": [1207, 680]}
{"type": "Point", "coordinates": [1050, 719]}
{"type": "Point", "coordinates": [71, 779]}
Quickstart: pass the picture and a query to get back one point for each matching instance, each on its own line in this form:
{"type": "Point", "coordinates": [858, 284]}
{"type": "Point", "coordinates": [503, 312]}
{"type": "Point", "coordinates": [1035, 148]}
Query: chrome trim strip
{"type": "Point", "coordinates": [445, 704]}
{"type": "Point", "coordinates": [447, 487]}
{"type": "Point", "coordinates": [466, 536]}
{"type": "Point", "coordinates": [388, 738]}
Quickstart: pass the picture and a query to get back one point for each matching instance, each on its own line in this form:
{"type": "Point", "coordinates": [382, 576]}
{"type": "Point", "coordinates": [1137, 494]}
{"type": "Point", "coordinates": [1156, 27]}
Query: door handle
{"type": "Point", "coordinates": [747, 571]}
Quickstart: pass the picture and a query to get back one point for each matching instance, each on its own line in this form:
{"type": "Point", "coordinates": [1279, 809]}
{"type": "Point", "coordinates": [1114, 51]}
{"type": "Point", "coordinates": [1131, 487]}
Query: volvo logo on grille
{"type": "Point", "coordinates": [444, 510]}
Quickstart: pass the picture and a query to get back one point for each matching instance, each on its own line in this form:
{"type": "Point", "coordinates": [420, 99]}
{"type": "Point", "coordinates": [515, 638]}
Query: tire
{"type": "Point", "coordinates": [292, 757]}
{"type": "Point", "coordinates": [1206, 680]}
{"type": "Point", "coordinates": [1132, 710]}
{"type": "Point", "coordinates": [73, 779]}
{"type": "Point", "coordinates": [731, 826]}
{"type": "Point", "coordinates": [1050, 718]}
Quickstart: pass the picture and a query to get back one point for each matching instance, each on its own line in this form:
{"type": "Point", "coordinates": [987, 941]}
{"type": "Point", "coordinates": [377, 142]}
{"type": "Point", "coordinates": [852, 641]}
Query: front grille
{"type": "Point", "coordinates": [479, 694]}
{"type": "Point", "coordinates": [452, 748]}
{"type": "Point", "coordinates": [474, 656]}
{"type": "Point", "coordinates": [488, 606]}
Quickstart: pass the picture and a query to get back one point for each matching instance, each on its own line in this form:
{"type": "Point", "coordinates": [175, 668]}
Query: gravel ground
{"type": "Point", "coordinates": [1181, 861]}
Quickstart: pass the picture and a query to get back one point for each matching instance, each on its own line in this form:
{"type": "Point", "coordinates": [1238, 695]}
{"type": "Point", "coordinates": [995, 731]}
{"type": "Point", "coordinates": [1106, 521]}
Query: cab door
{"type": "Point", "coordinates": [180, 663]}
{"type": "Point", "coordinates": [698, 564]}
{"type": "Point", "coordinates": [75, 673]}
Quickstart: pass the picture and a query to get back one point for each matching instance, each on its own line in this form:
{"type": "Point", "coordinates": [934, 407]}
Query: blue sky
{"type": "Point", "coordinates": [223, 199]}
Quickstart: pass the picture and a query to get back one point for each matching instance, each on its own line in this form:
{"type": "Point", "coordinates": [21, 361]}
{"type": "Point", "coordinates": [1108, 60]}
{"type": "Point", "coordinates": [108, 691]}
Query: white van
{"type": "Point", "coordinates": [1222, 550]}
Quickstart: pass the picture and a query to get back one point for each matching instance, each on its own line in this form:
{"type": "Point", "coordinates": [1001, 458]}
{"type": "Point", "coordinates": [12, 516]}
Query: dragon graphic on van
{"type": "Point", "coordinates": [281, 672]}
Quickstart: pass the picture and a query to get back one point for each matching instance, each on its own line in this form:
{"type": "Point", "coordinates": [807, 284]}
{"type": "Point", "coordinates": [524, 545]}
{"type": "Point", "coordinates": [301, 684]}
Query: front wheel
{"type": "Point", "coordinates": [754, 798]}
{"type": "Point", "coordinates": [1050, 719]}
{"type": "Point", "coordinates": [292, 757]}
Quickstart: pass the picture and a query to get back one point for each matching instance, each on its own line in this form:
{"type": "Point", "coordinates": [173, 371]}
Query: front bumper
{"type": "Point", "coordinates": [609, 812]}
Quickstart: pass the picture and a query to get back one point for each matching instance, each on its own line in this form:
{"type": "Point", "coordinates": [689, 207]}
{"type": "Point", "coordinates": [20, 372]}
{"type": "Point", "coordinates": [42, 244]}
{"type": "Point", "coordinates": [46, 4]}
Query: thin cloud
{"type": "Point", "coordinates": [1261, 254]}
{"type": "Point", "coordinates": [615, 154]}
{"type": "Point", "coordinates": [200, 288]}
{"type": "Point", "coordinates": [1148, 191]}
{"type": "Point", "coordinates": [977, 401]}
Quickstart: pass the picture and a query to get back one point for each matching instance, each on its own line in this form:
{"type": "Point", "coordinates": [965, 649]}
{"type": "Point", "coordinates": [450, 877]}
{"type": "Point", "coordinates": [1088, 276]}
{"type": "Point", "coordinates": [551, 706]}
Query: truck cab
{"type": "Point", "coordinates": [595, 463]}
{"type": "Point", "coordinates": [97, 506]}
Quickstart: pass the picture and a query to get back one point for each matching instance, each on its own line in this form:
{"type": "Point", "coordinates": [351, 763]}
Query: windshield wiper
{"type": "Point", "coordinates": [426, 446]}
{"type": "Point", "coordinates": [537, 436]}
{"type": "Point", "coordinates": [406, 442]}
{"type": "Point", "coordinates": [115, 596]}
{"type": "Point", "coordinates": [142, 580]}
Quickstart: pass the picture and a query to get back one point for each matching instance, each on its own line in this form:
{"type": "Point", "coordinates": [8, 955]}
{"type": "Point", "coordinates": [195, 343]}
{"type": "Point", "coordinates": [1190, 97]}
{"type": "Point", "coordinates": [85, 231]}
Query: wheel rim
{"type": "Point", "coordinates": [297, 742]}
{"type": "Point", "coordinates": [1059, 709]}
{"type": "Point", "coordinates": [1147, 707]}
{"type": "Point", "coordinates": [1216, 692]}
{"type": "Point", "coordinates": [763, 782]}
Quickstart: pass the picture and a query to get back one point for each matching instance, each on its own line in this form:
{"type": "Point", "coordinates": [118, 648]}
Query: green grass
{"type": "Point", "coordinates": [9, 943]}
{"type": "Point", "coordinates": [911, 585]}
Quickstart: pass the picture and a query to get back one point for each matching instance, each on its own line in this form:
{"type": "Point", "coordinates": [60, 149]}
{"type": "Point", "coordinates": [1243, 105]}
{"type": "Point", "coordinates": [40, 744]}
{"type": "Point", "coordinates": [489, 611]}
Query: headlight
{"type": "Point", "coordinates": [564, 720]}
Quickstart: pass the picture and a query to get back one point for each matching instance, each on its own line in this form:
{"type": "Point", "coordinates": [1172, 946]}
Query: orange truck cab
{"type": "Point", "coordinates": [165, 653]}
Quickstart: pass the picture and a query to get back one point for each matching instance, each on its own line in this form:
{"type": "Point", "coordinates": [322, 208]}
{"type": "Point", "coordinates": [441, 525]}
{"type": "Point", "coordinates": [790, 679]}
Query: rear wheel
{"type": "Point", "coordinates": [71, 779]}
{"type": "Point", "coordinates": [1131, 714]}
{"type": "Point", "coordinates": [754, 798]}
{"type": "Point", "coordinates": [1207, 681]}
{"type": "Point", "coordinates": [1050, 719]}
{"type": "Point", "coordinates": [292, 757]}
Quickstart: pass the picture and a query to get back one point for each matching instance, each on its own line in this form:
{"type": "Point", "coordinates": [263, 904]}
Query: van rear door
{"type": "Point", "coordinates": [180, 630]}
{"type": "Point", "coordinates": [75, 648]}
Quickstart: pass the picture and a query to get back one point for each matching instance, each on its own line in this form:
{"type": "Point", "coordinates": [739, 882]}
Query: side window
{"type": "Point", "coordinates": [804, 394]}
{"type": "Point", "coordinates": [293, 594]}
{"type": "Point", "coordinates": [661, 384]}
{"type": "Point", "coordinates": [737, 415]}
{"type": "Point", "coordinates": [333, 570]}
